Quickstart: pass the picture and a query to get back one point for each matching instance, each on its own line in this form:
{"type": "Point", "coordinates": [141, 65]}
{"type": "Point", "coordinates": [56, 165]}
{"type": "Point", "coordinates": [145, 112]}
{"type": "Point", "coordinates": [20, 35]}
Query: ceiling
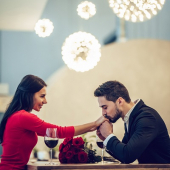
{"type": "Point", "coordinates": [20, 15]}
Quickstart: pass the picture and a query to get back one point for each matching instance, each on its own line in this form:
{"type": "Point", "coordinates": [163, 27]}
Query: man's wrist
{"type": "Point", "coordinates": [106, 135]}
{"type": "Point", "coordinates": [107, 139]}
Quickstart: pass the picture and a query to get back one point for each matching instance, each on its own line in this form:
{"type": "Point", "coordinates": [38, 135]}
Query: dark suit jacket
{"type": "Point", "coordinates": [147, 139]}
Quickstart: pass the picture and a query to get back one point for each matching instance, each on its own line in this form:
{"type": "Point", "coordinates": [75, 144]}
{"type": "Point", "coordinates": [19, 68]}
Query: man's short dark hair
{"type": "Point", "coordinates": [112, 90]}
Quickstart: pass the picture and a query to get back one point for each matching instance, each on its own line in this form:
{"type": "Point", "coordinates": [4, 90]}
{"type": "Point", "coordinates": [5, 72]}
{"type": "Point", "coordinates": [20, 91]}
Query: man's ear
{"type": "Point", "coordinates": [120, 101]}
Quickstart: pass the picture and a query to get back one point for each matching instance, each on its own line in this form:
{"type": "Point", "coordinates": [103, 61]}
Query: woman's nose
{"type": "Point", "coordinates": [45, 101]}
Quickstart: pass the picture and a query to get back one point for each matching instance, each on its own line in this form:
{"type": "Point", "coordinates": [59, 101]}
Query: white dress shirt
{"type": "Point", "coordinates": [126, 121]}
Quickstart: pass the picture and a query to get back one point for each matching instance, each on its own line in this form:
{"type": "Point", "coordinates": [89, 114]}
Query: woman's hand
{"type": "Point", "coordinates": [89, 126]}
{"type": "Point", "coordinates": [92, 129]}
{"type": "Point", "coordinates": [100, 120]}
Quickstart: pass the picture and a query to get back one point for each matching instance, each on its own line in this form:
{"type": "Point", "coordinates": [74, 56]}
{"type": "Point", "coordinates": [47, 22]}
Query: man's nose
{"type": "Point", "coordinates": [103, 113]}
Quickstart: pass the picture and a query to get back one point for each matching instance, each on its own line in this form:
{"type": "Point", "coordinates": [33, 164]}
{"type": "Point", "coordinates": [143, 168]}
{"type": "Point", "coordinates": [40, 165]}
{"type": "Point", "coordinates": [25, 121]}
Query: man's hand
{"type": "Point", "coordinates": [106, 129]}
{"type": "Point", "coordinates": [100, 135]}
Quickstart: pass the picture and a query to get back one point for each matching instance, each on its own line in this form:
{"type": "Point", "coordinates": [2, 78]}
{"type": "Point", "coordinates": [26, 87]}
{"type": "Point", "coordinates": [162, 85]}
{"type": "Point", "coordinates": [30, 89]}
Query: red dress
{"type": "Point", "coordinates": [20, 137]}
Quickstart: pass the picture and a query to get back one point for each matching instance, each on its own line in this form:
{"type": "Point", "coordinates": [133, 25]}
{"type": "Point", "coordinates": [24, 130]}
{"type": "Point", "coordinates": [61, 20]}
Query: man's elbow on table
{"type": "Point", "coordinates": [128, 160]}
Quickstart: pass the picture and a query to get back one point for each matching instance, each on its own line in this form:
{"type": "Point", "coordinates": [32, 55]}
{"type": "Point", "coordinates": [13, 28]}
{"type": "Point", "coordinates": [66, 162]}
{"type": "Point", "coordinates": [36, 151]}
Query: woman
{"type": "Point", "coordinates": [19, 128]}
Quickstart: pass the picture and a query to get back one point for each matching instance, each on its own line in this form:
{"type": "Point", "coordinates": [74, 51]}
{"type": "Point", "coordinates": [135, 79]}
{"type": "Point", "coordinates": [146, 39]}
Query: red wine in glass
{"type": "Point", "coordinates": [51, 143]}
{"type": "Point", "coordinates": [51, 140]}
{"type": "Point", "coordinates": [100, 145]}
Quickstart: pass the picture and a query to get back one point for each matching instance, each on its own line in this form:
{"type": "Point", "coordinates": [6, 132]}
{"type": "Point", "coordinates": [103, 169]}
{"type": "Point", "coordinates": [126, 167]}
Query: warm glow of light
{"type": "Point", "coordinates": [86, 9]}
{"type": "Point", "coordinates": [136, 10]}
{"type": "Point", "coordinates": [44, 27]}
{"type": "Point", "coordinates": [81, 51]}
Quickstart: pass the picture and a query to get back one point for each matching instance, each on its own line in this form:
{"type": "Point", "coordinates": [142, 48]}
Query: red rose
{"type": "Point", "coordinates": [78, 142]}
{"type": "Point", "coordinates": [81, 146]}
{"type": "Point", "coordinates": [82, 157]}
{"type": "Point", "coordinates": [75, 150]}
{"type": "Point", "coordinates": [69, 154]}
{"type": "Point", "coordinates": [71, 151]}
{"type": "Point", "coordinates": [67, 140]}
{"type": "Point", "coordinates": [70, 161]}
{"type": "Point", "coordinates": [66, 148]}
{"type": "Point", "coordinates": [74, 159]}
{"type": "Point", "coordinates": [61, 147]}
{"type": "Point", "coordinates": [62, 157]}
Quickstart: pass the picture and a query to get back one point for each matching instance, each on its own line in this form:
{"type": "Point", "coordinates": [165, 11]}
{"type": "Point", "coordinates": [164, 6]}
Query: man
{"type": "Point", "coordinates": [146, 137]}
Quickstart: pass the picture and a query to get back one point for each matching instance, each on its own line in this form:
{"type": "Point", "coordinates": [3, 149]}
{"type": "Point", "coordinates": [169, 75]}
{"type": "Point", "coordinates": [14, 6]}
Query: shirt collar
{"type": "Point", "coordinates": [126, 118]}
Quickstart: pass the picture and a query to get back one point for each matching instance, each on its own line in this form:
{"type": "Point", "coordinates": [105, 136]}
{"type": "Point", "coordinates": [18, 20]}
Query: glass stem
{"type": "Point", "coordinates": [102, 154]}
{"type": "Point", "coordinates": [50, 155]}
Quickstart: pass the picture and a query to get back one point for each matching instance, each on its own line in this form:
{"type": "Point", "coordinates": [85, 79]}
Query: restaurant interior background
{"type": "Point", "coordinates": [134, 53]}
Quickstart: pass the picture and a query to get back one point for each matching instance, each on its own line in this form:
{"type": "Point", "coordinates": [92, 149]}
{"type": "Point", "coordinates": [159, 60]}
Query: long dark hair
{"type": "Point", "coordinates": [23, 98]}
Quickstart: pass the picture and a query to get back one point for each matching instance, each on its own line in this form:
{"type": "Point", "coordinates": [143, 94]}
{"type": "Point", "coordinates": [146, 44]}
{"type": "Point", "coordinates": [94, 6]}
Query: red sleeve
{"type": "Point", "coordinates": [31, 122]}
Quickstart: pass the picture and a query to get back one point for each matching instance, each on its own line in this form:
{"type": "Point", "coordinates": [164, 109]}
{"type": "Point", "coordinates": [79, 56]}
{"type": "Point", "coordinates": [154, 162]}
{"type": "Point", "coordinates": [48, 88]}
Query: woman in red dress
{"type": "Point", "coordinates": [19, 128]}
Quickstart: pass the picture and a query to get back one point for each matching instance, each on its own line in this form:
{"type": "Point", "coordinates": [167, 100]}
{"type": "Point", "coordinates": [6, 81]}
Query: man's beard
{"type": "Point", "coordinates": [116, 117]}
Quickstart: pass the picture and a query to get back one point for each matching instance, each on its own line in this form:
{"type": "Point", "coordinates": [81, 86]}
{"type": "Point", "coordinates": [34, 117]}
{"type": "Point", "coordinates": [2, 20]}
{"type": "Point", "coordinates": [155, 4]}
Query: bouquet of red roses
{"type": "Point", "coordinates": [72, 151]}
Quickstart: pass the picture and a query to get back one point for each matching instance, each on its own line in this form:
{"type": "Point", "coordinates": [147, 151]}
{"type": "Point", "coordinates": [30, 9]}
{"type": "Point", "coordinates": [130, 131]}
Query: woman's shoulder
{"type": "Point", "coordinates": [23, 113]}
{"type": "Point", "coordinates": [20, 112]}
{"type": "Point", "coordinates": [24, 117]}
{"type": "Point", "coordinates": [18, 115]}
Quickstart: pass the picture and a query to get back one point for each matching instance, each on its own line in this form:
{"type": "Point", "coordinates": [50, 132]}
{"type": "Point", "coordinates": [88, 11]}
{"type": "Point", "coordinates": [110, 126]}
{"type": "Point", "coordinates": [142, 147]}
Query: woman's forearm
{"type": "Point", "coordinates": [84, 128]}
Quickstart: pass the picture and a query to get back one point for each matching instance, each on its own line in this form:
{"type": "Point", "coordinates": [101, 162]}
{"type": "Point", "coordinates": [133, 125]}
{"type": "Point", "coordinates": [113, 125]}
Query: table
{"type": "Point", "coordinates": [97, 166]}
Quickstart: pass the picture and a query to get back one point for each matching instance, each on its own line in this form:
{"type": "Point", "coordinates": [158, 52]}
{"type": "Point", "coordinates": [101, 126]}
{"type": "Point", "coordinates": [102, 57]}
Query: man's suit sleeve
{"type": "Point", "coordinates": [145, 132]}
{"type": "Point", "coordinates": [124, 140]}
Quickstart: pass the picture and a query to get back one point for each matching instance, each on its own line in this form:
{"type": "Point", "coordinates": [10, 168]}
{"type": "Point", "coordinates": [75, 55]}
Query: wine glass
{"type": "Point", "coordinates": [51, 140]}
{"type": "Point", "coordinates": [100, 144]}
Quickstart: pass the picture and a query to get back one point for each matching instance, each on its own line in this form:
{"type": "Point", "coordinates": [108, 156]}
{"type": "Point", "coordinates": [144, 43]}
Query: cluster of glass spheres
{"type": "Point", "coordinates": [44, 27]}
{"type": "Point", "coordinates": [136, 10]}
{"type": "Point", "coordinates": [81, 51]}
{"type": "Point", "coordinates": [86, 9]}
